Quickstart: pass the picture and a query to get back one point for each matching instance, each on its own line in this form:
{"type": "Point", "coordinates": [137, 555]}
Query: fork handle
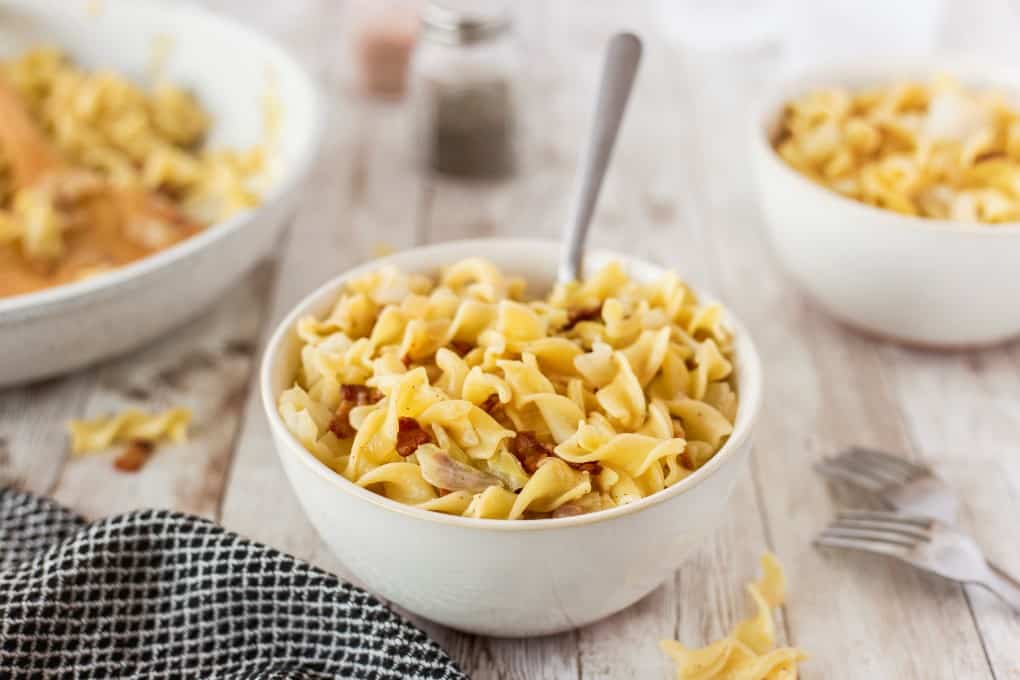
{"type": "Point", "coordinates": [1004, 586]}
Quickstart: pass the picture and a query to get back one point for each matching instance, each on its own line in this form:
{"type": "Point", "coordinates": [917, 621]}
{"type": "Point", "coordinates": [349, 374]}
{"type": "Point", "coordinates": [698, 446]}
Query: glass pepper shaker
{"type": "Point", "coordinates": [464, 87]}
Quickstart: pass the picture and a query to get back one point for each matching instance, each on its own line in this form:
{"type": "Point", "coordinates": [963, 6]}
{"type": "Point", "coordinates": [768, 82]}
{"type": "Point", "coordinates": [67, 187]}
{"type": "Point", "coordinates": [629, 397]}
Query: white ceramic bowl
{"type": "Point", "coordinates": [231, 69]}
{"type": "Point", "coordinates": [923, 281]}
{"type": "Point", "coordinates": [496, 577]}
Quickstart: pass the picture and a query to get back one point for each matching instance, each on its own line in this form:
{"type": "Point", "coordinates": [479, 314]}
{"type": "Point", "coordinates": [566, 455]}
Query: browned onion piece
{"type": "Point", "coordinates": [590, 502]}
{"type": "Point", "coordinates": [444, 472]}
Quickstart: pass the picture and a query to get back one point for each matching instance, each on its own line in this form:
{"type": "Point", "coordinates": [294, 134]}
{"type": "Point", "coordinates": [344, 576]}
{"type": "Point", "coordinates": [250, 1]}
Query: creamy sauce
{"type": "Point", "coordinates": [90, 250]}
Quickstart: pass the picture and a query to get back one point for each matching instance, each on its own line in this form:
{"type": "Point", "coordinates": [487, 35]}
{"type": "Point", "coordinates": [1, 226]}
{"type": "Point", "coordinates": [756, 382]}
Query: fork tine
{"type": "Point", "coordinates": [871, 535]}
{"type": "Point", "coordinates": [889, 460]}
{"type": "Point", "coordinates": [832, 469]}
{"type": "Point", "coordinates": [886, 516]}
{"type": "Point", "coordinates": [829, 541]}
{"type": "Point", "coordinates": [890, 473]}
{"type": "Point", "coordinates": [889, 465]}
{"type": "Point", "coordinates": [906, 530]}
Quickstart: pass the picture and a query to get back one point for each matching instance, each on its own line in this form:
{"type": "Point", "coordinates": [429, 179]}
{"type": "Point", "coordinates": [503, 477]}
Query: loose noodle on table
{"type": "Point", "coordinates": [749, 651]}
{"type": "Point", "coordinates": [98, 434]}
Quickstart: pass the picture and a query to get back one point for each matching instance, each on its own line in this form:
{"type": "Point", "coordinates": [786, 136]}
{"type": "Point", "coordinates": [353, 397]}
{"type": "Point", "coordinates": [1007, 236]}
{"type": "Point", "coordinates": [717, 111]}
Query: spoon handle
{"type": "Point", "coordinates": [622, 58]}
{"type": "Point", "coordinates": [30, 154]}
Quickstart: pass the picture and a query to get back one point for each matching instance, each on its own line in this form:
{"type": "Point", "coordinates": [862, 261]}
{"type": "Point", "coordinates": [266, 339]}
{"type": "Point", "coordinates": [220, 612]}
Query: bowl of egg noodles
{"type": "Point", "coordinates": [150, 153]}
{"type": "Point", "coordinates": [891, 191]}
{"type": "Point", "coordinates": [504, 455]}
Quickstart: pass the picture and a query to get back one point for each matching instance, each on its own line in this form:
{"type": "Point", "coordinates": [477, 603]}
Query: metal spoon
{"type": "Point", "coordinates": [622, 58]}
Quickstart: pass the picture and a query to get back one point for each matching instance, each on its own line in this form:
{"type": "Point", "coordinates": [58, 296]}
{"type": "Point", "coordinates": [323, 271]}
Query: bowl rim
{"type": "Point", "coordinates": [966, 67]}
{"type": "Point", "coordinates": [727, 454]}
{"type": "Point", "coordinates": [30, 304]}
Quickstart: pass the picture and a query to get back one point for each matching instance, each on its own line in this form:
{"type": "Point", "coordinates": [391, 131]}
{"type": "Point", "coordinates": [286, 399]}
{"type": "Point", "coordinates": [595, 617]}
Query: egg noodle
{"type": "Point", "coordinates": [748, 652]}
{"type": "Point", "coordinates": [456, 395]}
{"type": "Point", "coordinates": [936, 149]}
{"type": "Point", "coordinates": [99, 434]}
{"type": "Point", "coordinates": [108, 130]}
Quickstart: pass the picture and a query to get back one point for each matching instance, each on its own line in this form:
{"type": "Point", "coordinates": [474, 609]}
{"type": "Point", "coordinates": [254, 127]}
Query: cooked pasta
{"type": "Point", "coordinates": [937, 149]}
{"type": "Point", "coordinates": [108, 131]}
{"type": "Point", "coordinates": [458, 395]}
{"type": "Point", "coordinates": [748, 652]}
{"type": "Point", "coordinates": [88, 436]}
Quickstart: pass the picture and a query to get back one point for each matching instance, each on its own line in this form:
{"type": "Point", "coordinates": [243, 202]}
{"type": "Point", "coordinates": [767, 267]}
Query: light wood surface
{"type": "Point", "coordinates": [679, 193]}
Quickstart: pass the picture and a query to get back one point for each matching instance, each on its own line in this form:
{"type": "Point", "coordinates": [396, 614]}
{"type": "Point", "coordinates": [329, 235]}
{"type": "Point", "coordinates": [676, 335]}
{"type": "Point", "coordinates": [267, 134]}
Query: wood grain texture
{"type": "Point", "coordinates": [204, 366]}
{"type": "Point", "coordinates": [968, 435]}
{"type": "Point", "coordinates": [32, 428]}
{"type": "Point", "coordinates": [678, 193]}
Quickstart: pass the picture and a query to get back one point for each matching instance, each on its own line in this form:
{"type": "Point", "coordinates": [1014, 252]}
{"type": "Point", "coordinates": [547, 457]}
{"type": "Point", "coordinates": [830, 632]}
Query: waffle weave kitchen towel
{"type": "Point", "coordinates": [159, 594]}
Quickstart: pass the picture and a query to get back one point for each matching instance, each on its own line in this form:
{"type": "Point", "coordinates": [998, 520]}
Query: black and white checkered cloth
{"type": "Point", "coordinates": [158, 594]}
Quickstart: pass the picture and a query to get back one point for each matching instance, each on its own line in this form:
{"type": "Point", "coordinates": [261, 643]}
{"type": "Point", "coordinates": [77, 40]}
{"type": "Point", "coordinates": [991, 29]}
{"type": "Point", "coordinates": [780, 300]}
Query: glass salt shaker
{"type": "Point", "coordinates": [464, 87]}
{"type": "Point", "coordinates": [381, 35]}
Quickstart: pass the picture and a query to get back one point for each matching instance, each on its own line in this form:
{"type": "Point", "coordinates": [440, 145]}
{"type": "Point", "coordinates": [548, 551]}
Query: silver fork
{"type": "Point", "coordinates": [902, 485]}
{"type": "Point", "coordinates": [908, 487]}
{"type": "Point", "coordinates": [924, 542]}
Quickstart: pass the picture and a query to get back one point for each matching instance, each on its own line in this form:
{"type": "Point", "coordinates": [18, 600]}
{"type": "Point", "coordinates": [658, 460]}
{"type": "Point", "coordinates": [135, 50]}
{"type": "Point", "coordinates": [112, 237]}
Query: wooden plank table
{"type": "Point", "coordinates": [679, 193]}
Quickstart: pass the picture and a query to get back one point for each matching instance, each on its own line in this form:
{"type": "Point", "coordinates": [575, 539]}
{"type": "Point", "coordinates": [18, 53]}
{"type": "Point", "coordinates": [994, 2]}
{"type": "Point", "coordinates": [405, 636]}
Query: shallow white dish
{"type": "Point", "coordinates": [923, 281]}
{"type": "Point", "coordinates": [497, 577]}
{"type": "Point", "coordinates": [231, 69]}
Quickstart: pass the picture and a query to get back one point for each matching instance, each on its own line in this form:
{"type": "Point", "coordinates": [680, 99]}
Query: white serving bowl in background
{"type": "Point", "coordinates": [232, 70]}
{"type": "Point", "coordinates": [923, 281]}
{"type": "Point", "coordinates": [499, 577]}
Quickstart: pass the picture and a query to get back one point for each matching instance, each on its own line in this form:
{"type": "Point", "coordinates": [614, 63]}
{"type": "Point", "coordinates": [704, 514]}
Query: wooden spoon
{"type": "Point", "coordinates": [30, 154]}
